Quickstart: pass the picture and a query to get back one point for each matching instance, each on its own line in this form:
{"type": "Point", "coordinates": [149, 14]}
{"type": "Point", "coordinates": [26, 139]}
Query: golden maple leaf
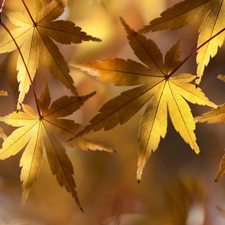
{"type": "Point", "coordinates": [191, 11]}
{"type": "Point", "coordinates": [34, 130]}
{"type": "Point", "coordinates": [36, 29]}
{"type": "Point", "coordinates": [2, 134]}
{"type": "Point", "coordinates": [221, 170]}
{"type": "Point", "coordinates": [156, 86]}
{"type": "Point", "coordinates": [215, 116]}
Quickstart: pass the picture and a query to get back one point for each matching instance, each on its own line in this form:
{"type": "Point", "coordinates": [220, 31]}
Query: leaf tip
{"type": "Point", "coordinates": [216, 180]}
{"type": "Point", "coordinates": [197, 82]}
{"type": "Point", "coordinates": [81, 209]}
{"type": "Point", "coordinates": [88, 96]}
{"type": "Point", "coordinates": [221, 77]}
{"type": "Point", "coordinates": [19, 106]}
{"type": "Point", "coordinates": [70, 139]}
{"type": "Point", "coordinates": [123, 22]}
{"type": "Point", "coordinates": [121, 19]}
{"type": "Point", "coordinates": [22, 203]}
{"type": "Point", "coordinates": [139, 177]}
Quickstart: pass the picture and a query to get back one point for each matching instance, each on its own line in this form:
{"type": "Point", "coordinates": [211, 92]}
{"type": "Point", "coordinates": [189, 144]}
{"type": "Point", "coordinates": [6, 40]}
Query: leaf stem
{"type": "Point", "coordinates": [192, 53]}
{"type": "Point", "coordinates": [1, 6]}
{"type": "Point", "coordinates": [28, 12]}
{"type": "Point", "coordinates": [21, 55]}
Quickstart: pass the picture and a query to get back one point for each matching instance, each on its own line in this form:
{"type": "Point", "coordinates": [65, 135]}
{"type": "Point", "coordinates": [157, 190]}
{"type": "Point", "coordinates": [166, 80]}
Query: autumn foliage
{"type": "Point", "coordinates": [48, 129]}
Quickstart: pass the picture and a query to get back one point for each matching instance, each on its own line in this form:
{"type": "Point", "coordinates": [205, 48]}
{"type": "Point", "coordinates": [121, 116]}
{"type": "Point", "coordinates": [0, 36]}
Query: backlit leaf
{"type": "Point", "coordinates": [156, 87]}
{"type": "Point", "coordinates": [33, 131]}
{"type": "Point", "coordinates": [190, 11]}
{"type": "Point", "coordinates": [215, 116]}
{"type": "Point", "coordinates": [2, 134]}
{"type": "Point", "coordinates": [36, 29]}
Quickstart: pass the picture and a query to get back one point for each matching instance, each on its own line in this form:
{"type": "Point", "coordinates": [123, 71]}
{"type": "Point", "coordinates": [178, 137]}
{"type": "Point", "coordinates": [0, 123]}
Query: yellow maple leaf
{"type": "Point", "coordinates": [34, 130]}
{"type": "Point", "coordinates": [221, 170]}
{"type": "Point", "coordinates": [191, 11]}
{"type": "Point", "coordinates": [156, 86]}
{"type": "Point", "coordinates": [215, 116]}
{"type": "Point", "coordinates": [36, 29]}
{"type": "Point", "coordinates": [2, 134]}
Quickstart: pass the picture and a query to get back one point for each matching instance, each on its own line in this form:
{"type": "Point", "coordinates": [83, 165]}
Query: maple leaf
{"type": "Point", "coordinates": [89, 144]}
{"type": "Point", "coordinates": [34, 130]}
{"type": "Point", "coordinates": [36, 29]}
{"type": "Point", "coordinates": [2, 134]}
{"type": "Point", "coordinates": [221, 170]}
{"type": "Point", "coordinates": [191, 11]}
{"type": "Point", "coordinates": [156, 86]}
{"type": "Point", "coordinates": [215, 116]}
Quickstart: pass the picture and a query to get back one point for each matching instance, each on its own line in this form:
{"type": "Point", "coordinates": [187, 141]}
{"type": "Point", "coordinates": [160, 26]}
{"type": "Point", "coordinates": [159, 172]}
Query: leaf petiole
{"type": "Point", "coordinates": [1, 6]}
{"type": "Point", "coordinates": [28, 12]}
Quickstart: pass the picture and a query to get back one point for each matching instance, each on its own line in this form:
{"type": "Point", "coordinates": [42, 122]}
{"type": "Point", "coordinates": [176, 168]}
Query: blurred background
{"type": "Point", "coordinates": [177, 186]}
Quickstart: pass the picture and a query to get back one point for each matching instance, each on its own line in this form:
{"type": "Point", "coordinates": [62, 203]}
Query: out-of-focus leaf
{"type": "Point", "coordinates": [3, 93]}
{"type": "Point", "coordinates": [221, 77]}
{"type": "Point", "coordinates": [215, 116]}
{"type": "Point", "coordinates": [2, 134]}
